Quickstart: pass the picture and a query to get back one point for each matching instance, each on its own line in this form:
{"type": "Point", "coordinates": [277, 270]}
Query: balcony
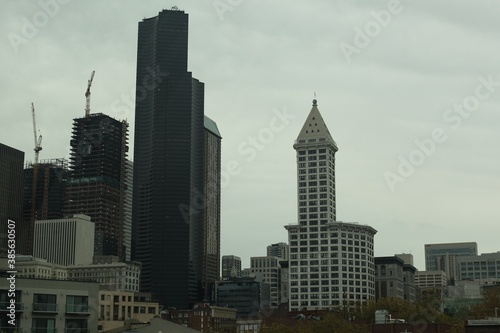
{"type": "Point", "coordinates": [78, 308]}
{"type": "Point", "coordinates": [43, 330]}
{"type": "Point", "coordinates": [6, 306]}
{"type": "Point", "coordinates": [76, 330]}
{"type": "Point", "coordinates": [45, 308]}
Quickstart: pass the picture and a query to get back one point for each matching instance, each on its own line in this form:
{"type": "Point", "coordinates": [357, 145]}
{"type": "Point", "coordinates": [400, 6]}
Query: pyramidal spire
{"type": "Point", "coordinates": [314, 129]}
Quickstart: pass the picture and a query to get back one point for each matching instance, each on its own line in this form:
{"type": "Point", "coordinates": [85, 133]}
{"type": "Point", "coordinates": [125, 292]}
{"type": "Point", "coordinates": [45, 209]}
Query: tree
{"type": "Point", "coordinates": [490, 302]}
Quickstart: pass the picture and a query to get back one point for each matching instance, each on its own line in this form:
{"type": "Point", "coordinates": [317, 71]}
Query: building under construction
{"type": "Point", "coordinates": [96, 184]}
{"type": "Point", "coordinates": [50, 186]}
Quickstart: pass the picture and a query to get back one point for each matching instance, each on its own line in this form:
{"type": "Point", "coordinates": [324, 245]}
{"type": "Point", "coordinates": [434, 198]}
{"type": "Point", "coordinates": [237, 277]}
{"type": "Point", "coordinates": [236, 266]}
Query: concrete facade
{"type": "Point", "coordinates": [118, 307]}
{"type": "Point", "coordinates": [268, 270]}
{"type": "Point", "coordinates": [67, 241]}
{"type": "Point", "coordinates": [394, 278]}
{"type": "Point", "coordinates": [51, 306]}
{"type": "Point", "coordinates": [430, 279]}
{"type": "Point", "coordinates": [331, 263]}
{"type": "Point", "coordinates": [109, 271]}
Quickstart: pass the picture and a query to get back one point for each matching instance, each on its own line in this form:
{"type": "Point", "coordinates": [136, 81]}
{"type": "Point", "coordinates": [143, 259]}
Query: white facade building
{"type": "Point", "coordinates": [331, 263]}
{"type": "Point", "coordinates": [67, 241]}
{"type": "Point", "coordinates": [109, 271]}
{"type": "Point", "coordinates": [430, 279]}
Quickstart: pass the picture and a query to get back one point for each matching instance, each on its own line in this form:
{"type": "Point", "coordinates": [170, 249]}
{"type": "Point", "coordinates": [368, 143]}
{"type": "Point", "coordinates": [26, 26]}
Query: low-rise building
{"type": "Point", "coordinates": [203, 318]}
{"type": "Point", "coordinates": [109, 271]}
{"type": "Point", "coordinates": [430, 279]}
{"type": "Point", "coordinates": [50, 306]}
{"type": "Point", "coordinates": [246, 295]}
{"type": "Point", "coordinates": [116, 308]}
{"type": "Point", "coordinates": [37, 268]}
{"type": "Point", "coordinates": [394, 278]}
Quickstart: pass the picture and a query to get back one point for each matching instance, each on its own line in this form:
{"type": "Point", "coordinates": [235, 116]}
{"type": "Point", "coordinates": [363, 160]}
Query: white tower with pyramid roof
{"type": "Point", "coordinates": [331, 263]}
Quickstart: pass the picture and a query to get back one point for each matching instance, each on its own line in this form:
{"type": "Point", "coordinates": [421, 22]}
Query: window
{"type": "Point", "coordinates": [76, 325]}
{"type": "Point", "coordinates": [44, 302]}
{"type": "Point", "coordinates": [43, 325]}
{"type": "Point", "coordinates": [77, 304]}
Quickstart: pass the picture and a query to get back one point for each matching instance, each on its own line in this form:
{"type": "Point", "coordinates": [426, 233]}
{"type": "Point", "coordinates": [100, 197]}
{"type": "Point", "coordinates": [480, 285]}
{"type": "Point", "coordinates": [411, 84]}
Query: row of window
{"type": "Point", "coordinates": [361, 283]}
{"type": "Point", "coordinates": [324, 261]}
{"type": "Point", "coordinates": [332, 248]}
{"type": "Point", "coordinates": [325, 240]}
{"type": "Point", "coordinates": [313, 151]}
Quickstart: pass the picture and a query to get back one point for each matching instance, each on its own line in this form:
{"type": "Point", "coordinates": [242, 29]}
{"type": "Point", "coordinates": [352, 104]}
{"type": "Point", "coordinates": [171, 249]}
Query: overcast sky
{"type": "Point", "coordinates": [410, 91]}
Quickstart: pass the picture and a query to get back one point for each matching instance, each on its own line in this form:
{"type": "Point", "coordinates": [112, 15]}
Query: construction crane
{"type": "Point", "coordinates": [87, 95]}
{"type": "Point", "coordinates": [38, 142]}
{"type": "Point", "coordinates": [38, 147]}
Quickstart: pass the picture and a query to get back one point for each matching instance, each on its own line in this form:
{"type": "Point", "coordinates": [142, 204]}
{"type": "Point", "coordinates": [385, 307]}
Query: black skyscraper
{"type": "Point", "coordinates": [11, 199]}
{"type": "Point", "coordinates": [169, 183]}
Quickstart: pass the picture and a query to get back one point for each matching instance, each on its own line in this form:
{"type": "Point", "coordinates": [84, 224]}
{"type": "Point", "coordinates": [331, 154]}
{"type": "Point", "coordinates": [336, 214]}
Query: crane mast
{"type": "Point", "coordinates": [87, 95]}
{"type": "Point", "coordinates": [38, 147]}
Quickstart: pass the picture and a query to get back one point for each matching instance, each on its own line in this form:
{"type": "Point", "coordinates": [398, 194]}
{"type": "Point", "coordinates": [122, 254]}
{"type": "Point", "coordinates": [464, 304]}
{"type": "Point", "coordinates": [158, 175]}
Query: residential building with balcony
{"type": "Point", "coordinates": [50, 306]}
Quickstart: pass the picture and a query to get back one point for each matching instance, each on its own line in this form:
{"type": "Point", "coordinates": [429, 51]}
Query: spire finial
{"type": "Point", "coordinates": [314, 100]}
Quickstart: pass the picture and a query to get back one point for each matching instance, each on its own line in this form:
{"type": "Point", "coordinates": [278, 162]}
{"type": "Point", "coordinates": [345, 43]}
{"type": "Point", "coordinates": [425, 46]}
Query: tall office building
{"type": "Point", "coordinates": [11, 198]}
{"type": "Point", "coordinates": [50, 186]}
{"type": "Point", "coordinates": [96, 185]}
{"type": "Point", "coordinates": [443, 256]}
{"type": "Point", "coordinates": [170, 182]}
{"type": "Point", "coordinates": [331, 263]}
{"type": "Point", "coordinates": [211, 225]}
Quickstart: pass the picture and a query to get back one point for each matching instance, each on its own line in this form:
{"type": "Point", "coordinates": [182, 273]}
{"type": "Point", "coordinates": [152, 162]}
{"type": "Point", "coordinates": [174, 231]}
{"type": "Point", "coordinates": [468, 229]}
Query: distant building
{"type": "Point", "coordinates": [485, 267]}
{"type": "Point", "coordinates": [231, 267]}
{"type": "Point", "coordinates": [109, 271]}
{"type": "Point", "coordinates": [280, 250]}
{"type": "Point", "coordinates": [430, 279]}
{"type": "Point", "coordinates": [394, 278]}
{"type": "Point", "coordinates": [268, 270]}
{"type": "Point", "coordinates": [284, 282]}
{"type": "Point", "coordinates": [204, 318]}
{"type": "Point", "coordinates": [406, 257]}
{"type": "Point", "coordinates": [96, 185]}
{"type": "Point", "coordinates": [442, 257]}
{"type": "Point", "coordinates": [11, 199]}
{"type": "Point", "coordinates": [331, 262]}
{"type": "Point", "coordinates": [67, 241]}
{"type": "Point", "coordinates": [246, 295]}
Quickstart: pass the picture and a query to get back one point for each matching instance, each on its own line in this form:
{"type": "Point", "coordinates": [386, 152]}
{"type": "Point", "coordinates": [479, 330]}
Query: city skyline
{"type": "Point", "coordinates": [387, 103]}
